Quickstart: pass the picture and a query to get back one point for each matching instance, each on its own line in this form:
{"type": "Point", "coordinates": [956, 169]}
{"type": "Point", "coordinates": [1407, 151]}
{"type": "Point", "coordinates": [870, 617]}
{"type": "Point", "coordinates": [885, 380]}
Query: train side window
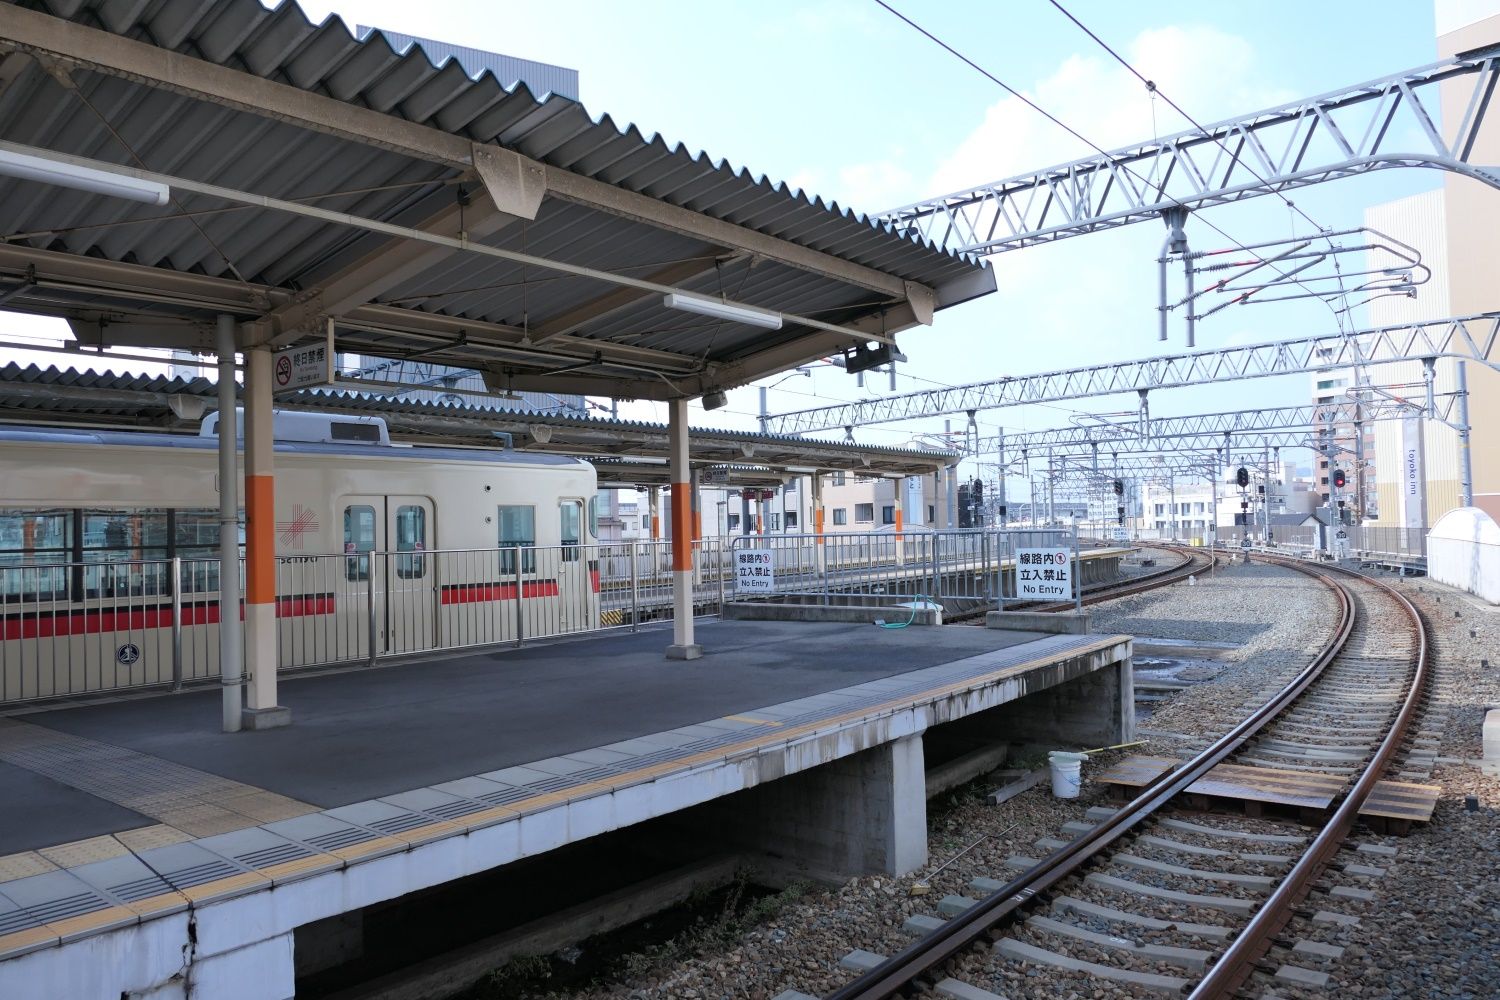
{"type": "Point", "coordinates": [571, 512]}
{"type": "Point", "coordinates": [359, 536]}
{"type": "Point", "coordinates": [517, 528]}
{"type": "Point", "coordinates": [34, 548]}
{"type": "Point", "coordinates": [195, 534]}
{"type": "Point", "coordinates": [411, 536]}
{"type": "Point", "coordinates": [594, 516]}
{"type": "Point", "coordinates": [125, 552]}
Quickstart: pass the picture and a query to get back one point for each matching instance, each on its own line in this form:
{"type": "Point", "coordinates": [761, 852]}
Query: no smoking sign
{"type": "Point", "coordinates": [298, 367]}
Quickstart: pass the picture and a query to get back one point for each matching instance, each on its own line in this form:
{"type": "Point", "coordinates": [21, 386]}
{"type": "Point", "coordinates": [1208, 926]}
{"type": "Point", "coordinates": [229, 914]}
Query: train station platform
{"type": "Point", "coordinates": [138, 840]}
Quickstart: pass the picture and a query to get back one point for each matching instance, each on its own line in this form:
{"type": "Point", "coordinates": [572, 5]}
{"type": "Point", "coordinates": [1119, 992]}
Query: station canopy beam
{"type": "Point", "coordinates": [317, 179]}
{"type": "Point", "coordinates": [1392, 121]}
{"type": "Point", "coordinates": [624, 452]}
{"type": "Point", "coordinates": [1467, 338]}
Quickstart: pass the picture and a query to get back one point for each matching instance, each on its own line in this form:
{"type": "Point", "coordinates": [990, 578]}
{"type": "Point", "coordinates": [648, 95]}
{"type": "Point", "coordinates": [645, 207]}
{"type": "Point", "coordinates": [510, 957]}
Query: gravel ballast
{"type": "Point", "coordinates": [1431, 930]}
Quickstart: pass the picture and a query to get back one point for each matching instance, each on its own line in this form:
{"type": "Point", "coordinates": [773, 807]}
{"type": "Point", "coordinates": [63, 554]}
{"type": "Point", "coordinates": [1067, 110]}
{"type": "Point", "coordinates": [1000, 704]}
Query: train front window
{"type": "Point", "coordinates": [572, 526]}
{"type": "Point", "coordinates": [34, 546]}
{"type": "Point", "coordinates": [359, 536]}
{"type": "Point", "coordinates": [411, 536]}
{"type": "Point", "coordinates": [517, 530]}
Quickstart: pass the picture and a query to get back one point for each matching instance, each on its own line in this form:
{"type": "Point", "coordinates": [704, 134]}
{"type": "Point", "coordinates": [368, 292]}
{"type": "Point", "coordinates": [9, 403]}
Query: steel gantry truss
{"type": "Point", "coordinates": [1388, 122]}
{"type": "Point", "coordinates": [1275, 427]}
{"type": "Point", "coordinates": [1472, 338]}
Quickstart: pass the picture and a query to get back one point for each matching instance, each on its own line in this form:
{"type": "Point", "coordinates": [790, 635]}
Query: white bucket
{"type": "Point", "coordinates": [1067, 777]}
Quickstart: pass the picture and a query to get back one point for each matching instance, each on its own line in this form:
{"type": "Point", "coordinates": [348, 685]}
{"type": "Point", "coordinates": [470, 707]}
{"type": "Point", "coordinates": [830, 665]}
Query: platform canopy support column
{"type": "Point", "coordinates": [261, 709]}
{"type": "Point", "coordinates": [683, 647]}
{"type": "Point", "coordinates": [231, 669]}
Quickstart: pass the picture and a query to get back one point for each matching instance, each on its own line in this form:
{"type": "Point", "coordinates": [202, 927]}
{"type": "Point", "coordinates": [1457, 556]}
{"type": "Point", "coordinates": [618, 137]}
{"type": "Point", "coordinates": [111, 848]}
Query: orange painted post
{"type": "Point", "coordinates": [683, 647]}
{"type": "Point", "coordinates": [899, 484]}
{"type": "Point", "coordinates": [261, 709]}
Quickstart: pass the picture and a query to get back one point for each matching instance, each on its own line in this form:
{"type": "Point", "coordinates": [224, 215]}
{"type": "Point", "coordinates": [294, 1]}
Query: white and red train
{"type": "Point", "coordinates": [406, 548]}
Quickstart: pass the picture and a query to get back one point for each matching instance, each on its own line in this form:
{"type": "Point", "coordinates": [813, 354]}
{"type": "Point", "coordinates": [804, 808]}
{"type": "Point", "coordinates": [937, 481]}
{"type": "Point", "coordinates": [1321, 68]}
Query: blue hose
{"type": "Point", "coordinates": [911, 618]}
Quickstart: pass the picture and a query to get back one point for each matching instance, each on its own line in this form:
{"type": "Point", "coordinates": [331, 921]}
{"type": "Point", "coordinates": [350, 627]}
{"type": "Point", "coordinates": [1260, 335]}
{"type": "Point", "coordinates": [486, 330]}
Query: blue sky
{"type": "Point", "coordinates": [842, 99]}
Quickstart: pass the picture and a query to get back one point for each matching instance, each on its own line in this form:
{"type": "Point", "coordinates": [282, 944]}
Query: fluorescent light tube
{"type": "Point", "coordinates": [704, 306]}
{"type": "Point", "coordinates": [93, 180]}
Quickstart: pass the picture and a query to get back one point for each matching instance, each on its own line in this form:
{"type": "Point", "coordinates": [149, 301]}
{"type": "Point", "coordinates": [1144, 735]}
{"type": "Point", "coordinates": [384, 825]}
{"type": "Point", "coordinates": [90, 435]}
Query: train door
{"type": "Point", "coordinates": [397, 579]}
{"type": "Point", "coordinates": [576, 575]}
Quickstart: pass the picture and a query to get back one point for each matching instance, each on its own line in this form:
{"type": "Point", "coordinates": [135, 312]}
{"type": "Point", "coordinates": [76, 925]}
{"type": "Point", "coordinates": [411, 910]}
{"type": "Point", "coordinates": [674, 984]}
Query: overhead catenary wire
{"type": "Point", "coordinates": [1054, 119]}
{"type": "Point", "coordinates": [1156, 91]}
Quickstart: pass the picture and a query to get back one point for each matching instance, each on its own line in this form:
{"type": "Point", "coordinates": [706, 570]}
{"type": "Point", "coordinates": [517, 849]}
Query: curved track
{"type": "Point", "coordinates": [1350, 706]}
{"type": "Point", "coordinates": [1192, 561]}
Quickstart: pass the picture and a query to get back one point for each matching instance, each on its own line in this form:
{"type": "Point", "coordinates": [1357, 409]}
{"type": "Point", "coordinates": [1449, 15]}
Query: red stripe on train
{"type": "Point", "coordinates": [49, 624]}
{"type": "Point", "coordinates": [475, 593]}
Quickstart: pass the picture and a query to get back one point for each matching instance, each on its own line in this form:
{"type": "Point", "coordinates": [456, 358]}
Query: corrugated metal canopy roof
{"type": "Point", "coordinates": [265, 103]}
{"type": "Point", "coordinates": [56, 396]}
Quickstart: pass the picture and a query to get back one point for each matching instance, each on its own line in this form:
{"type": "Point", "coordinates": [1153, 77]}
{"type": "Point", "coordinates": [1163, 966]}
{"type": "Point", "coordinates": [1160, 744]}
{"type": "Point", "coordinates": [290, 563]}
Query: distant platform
{"type": "Point", "coordinates": [124, 816]}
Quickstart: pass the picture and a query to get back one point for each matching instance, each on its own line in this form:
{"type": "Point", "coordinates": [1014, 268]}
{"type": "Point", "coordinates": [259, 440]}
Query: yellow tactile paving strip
{"type": "Point", "coordinates": [10, 739]}
{"type": "Point", "coordinates": [194, 802]}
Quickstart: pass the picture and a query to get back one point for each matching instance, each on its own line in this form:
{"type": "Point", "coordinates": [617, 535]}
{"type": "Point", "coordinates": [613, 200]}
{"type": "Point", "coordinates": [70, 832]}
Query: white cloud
{"type": "Point", "coordinates": [1210, 73]}
{"type": "Point", "coordinates": [862, 187]}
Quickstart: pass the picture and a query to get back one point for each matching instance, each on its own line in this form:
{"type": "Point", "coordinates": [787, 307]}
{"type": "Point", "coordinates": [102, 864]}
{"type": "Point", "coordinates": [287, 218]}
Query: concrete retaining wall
{"type": "Point", "coordinates": [756, 611]}
{"type": "Point", "coordinates": [1463, 551]}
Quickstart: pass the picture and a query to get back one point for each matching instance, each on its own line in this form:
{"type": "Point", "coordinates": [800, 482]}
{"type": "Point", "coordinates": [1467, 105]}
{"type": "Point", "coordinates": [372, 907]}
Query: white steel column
{"type": "Point", "coordinates": [261, 710]}
{"type": "Point", "coordinates": [683, 647]}
{"type": "Point", "coordinates": [230, 668]}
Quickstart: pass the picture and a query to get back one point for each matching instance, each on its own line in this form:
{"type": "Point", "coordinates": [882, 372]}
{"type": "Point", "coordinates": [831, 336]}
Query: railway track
{"type": "Point", "coordinates": [1145, 900]}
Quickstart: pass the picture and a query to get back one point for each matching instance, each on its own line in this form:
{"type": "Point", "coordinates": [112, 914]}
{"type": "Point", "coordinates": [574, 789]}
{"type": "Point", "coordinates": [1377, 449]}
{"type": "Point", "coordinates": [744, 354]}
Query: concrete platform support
{"type": "Point", "coordinates": [145, 961]}
{"type": "Point", "coordinates": [683, 647]}
{"type": "Point", "coordinates": [862, 814]}
{"type": "Point", "coordinates": [1095, 710]}
{"type": "Point", "coordinates": [1054, 623]}
{"type": "Point", "coordinates": [261, 971]}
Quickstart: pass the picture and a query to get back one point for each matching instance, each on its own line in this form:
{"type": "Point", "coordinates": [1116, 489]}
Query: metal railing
{"type": "Point", "coordinates": [76, 628]}
{"type": "Point", "coordinates": [959, 568]}
{"type": "Point", "coordinates": [73, 628]}
{"type": "Point", "coordinates": [1355, 541]}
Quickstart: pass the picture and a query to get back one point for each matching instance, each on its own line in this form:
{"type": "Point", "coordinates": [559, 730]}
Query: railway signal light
{"type": "Point", "coordinates": [1119, 487]}
{"type": "Point", "coordinates": [1339, 479]}
{"type": "Point", "coordinates": [1242, 477]}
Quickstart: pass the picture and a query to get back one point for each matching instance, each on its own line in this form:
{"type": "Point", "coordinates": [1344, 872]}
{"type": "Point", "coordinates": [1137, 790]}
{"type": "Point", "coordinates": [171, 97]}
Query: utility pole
{"type": "Point", "coordinates": [1004, 508]}
{"type": "Point", "coordinates": [1172, 500]}
{"type": "Point", "coordinates": [1465, 466]}
{"type": "Point", "coordinates": [1051, 491]}
{"type": "Point", "coordinates": [1266, 493]}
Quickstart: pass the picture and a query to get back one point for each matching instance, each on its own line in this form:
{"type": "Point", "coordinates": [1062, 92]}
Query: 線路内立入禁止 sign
{"type": "Point", "coordinates": [1044, 574]}
{"type": "Point", "coordinates": [754, 571]}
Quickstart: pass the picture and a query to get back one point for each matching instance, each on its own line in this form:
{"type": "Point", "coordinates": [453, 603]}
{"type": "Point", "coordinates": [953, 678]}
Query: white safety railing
{"type": "Point", "coordinates": [1042, 564]}
{"type": "Point", "coordinates": [77, 628]}
{"type": "Point", "coordinates": [963, 568]}
{"type": "Point", "coordinates": [81, 627]}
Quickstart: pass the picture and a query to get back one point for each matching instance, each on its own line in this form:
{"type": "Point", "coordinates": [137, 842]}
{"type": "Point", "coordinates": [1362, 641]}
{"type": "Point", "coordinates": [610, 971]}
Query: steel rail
{"type": "Point", "coordinates": [898, 972]}
{"type": "Point", "coordinates": [1189, 566]}
{"type": "Point", "coordinates": [1230, 970]}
